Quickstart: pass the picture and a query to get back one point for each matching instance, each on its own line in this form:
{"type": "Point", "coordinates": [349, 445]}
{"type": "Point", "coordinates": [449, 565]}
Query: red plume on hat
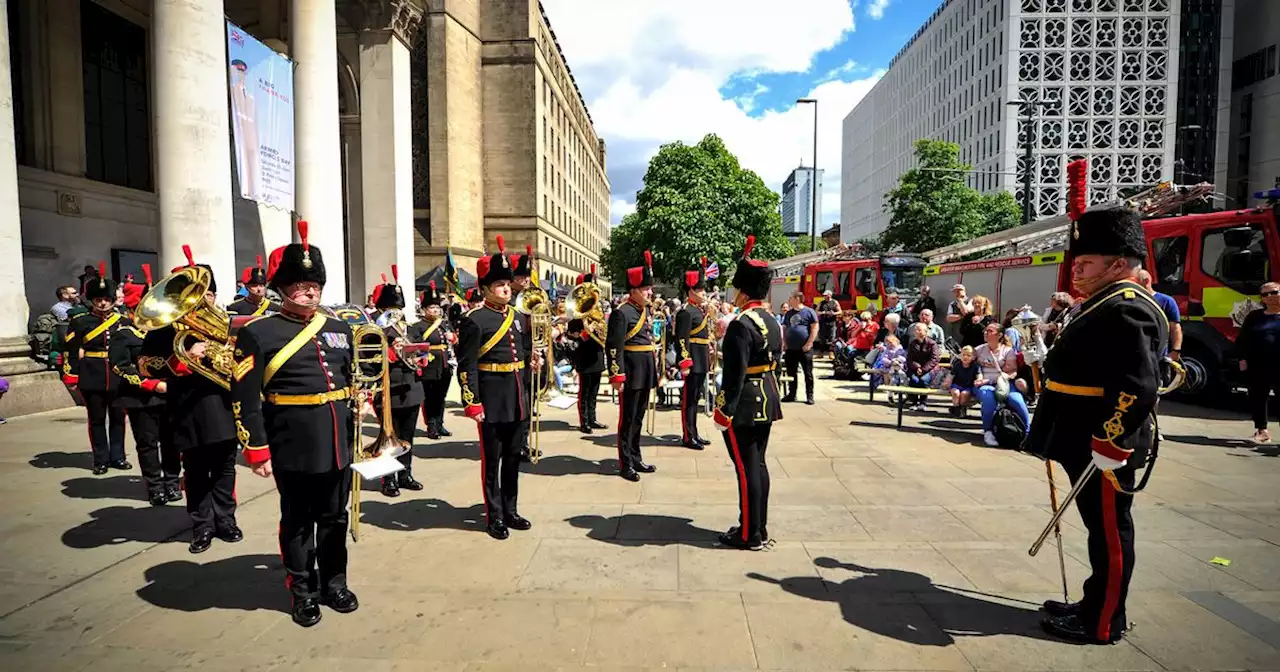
{"type": "Point", "coordinates": [303, 230]}
{"type": "Point", "coordinates": [102, 273]}
{"type": "Point", "coordinates": [259, 261]}
{"type": "Point", "coordinates": [146, 273]}
{"type": "Point", "coordinates": [395, 273]}
{"type": "Point", "coordinates": [593, 268]}
{"type": "Point", "coordinates": [648, 260]}
{"type": "Point", "coordinates": [502, 244]}
{"type": "Point", "coordinates": [746, 253]}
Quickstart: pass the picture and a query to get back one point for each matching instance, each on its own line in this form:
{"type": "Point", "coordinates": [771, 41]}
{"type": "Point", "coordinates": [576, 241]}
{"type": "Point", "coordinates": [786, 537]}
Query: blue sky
{"type": "Point", "coordinates": [656, 71]}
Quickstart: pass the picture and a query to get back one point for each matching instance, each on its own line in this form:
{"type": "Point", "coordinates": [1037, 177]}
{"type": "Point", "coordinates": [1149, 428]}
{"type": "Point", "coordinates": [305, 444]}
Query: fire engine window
{"type": "Point", "coordinates": [823, 283]}
{"type": "Point", "coordinates": [865, 278]}
{"type": "Point", "coordinates": [1170, 256]}
{"type": "Point", "coordinates": [842, 287]}
{"type": "Point", "coordinates": [1236, 257]}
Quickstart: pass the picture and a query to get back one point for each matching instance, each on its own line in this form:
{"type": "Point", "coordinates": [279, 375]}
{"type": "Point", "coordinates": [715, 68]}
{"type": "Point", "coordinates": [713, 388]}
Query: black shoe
{"type": "Point", "coordinates": [1071, 629]}
{"type": "Point", "coordinates": [630, 475]}
{"type": "Point", "coordinates": [173, 495]}
{"type": "Point", "coordinates": [157, 499]}
{"type": "Point", "coordinates": [1056, 608]}
{"type": "Point", "coordinates": [692, 444]}
{"type": "Point", "coordinates": [808, 402]}
{"type": "Point", "coordinates": [498, 530]}
{"type": "Point", "coordinates": [598, 425]}
{"type": "Point", "coordinates": [433, 434]}
{"type": "Point", "coordinates": [230, 534]}
{"type": "Point", "coordinates": [789, 398]}
{"type": "Point", "coordinates": [443, 431]}
{"type": "Point", "coordinates": [306, 611]}
{"type": "Point", "coordinates": [122, 465]}
{"type": "Point", "coordinates": [702, 442]}
{"type": "Point", "coordinates": [343, 601]}
{"type": "Point", "coordinates": [524, 456]}
{"type": "Point", "coordinates": [408, 482]}
{"type": "Point", "coordinates": [99, 469]}
{"type": "Point", "coordinates": [517, 522]}
{"type": "Point", "coordinates": [201, 541]}
{"type": "Point", "coordinates": [585, 429]}
{"type": "Point", "coordinates": [735, 541]}
{"type": "Point", "coordinates": [389, 487]}
{"type": "Point", "coordinates": [644, 468]}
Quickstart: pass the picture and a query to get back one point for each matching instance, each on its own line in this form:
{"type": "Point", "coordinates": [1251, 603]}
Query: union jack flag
{"type": "Point", "coordinates": [713, 271]}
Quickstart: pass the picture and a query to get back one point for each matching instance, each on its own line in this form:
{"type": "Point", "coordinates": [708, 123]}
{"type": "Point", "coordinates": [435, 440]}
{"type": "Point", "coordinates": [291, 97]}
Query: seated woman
{"type": "Point", "coordinates": [864, 339]}
{"type": "Point", "coordinates": [964, 376]}
{"type": "Point", "coordinates": [890, 362]}
{"type": "Point", "coordinates": [997, 359]}
{"type": "Point", "coordinates": [922, 362]}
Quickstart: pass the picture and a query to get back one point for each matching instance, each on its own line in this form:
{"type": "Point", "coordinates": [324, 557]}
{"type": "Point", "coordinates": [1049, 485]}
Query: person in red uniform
{"type": "Point", "coordinates": [88, 368]}
{"type": "Point", "coordinates": [693, 337]}
{"type": "Point", "coordinates": [633, 367]}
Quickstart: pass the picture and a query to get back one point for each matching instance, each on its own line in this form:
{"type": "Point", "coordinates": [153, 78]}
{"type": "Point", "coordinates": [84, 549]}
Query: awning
{"type": "Point", "coordinates": [466, 279]}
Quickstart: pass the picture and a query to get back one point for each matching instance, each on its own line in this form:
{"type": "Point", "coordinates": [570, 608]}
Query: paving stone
{"type": "Point", "coordinates": [607, 564]}
{"type": "Point", "coordinates": [1164, 632]}
{"type": "Point", "coordinates": [672, 634]}
{"type": "Point", "coordinates": [912, 523]}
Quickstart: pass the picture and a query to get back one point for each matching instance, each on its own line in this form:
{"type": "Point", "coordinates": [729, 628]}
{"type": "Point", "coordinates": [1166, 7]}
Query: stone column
{"type": "Point", "coordinates": [193, 137]}
{"type": "Point", "coordinates": [387, 30]}
{"type": "Point", "coordinates": [13, 295]}
{"type": "Point", "coordinates": [317, 152]}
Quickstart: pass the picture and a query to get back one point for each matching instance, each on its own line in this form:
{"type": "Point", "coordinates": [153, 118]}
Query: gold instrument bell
{"type": "Point", "coordinates": [535, 303]}
{"type": "Point", "coordinates": [179, 301]}
{"type": "Point", "coordinates": [584, 304]}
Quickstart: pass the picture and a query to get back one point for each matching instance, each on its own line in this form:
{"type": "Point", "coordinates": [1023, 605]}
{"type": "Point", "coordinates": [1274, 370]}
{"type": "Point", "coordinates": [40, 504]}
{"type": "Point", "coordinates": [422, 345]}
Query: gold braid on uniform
{"type": "Point", "coordinates": [613, 364]}
{"type": "Point", "coordinates": [467, 397]}
{"type": "Point", "coordinates": [1114, 426]}
{"type": "Point", "coordinates": [242, 434]}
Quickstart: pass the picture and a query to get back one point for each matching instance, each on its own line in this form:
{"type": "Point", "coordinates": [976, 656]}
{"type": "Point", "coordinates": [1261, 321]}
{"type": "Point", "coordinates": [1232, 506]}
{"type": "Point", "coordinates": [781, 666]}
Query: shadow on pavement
{"type": "Point", "coordinates": [951, 613]}
{"type": "Point", "coordinates": [183, 585]}
{"type": "Point", "coordinates": [58, 460]}
{"type": "Point", "coordinates": [1224, 407]}
{"type": "Point", "coordinates": [570, 465]}
{"type": "Point", "coordinates": [959, 437]}
{"type": "Point", "coordinates": [642, 530]}
{"type": "Point", "coordinates": [122, 524]}
{"type": "Point", "coordinates": [100, 487]}
{"type": "Point", "coordinates": [1209, 441]}
{"type": "Point", "coordinates": [421, 514]}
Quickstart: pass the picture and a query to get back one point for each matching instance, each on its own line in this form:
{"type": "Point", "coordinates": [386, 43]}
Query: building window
{"type": "Point", "coordinates": [117, 118]}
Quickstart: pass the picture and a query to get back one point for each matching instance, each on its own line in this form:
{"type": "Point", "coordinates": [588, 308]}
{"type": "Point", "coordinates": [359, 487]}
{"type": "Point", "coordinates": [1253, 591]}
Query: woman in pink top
{"type": "Point", "coordinates": [996, 357]}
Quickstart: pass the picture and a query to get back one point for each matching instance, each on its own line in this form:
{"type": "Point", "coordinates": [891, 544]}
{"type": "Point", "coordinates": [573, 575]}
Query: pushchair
{"type": "Point", "coordinates": [844, 362]}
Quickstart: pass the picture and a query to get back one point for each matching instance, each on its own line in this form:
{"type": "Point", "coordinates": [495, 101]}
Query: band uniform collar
{"type": "Point", "coordinates": [751, 305]}
{"type": "Point", "coordinates": [638, 306]}
{"type": "Point", "coordinates": [296, 317]}
{"type": "Point", "coordinates": [497, 308]}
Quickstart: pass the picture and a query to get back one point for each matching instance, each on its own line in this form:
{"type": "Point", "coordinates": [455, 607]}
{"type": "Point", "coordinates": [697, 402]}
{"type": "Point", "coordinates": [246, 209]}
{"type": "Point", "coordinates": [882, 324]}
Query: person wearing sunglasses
{"type": "Point", "coordinates": [1259, 347]}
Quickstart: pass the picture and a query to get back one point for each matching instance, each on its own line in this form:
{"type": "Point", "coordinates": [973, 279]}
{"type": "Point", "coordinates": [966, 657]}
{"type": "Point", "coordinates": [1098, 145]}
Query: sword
{"type": "Point", "coordinates": [1059, 511]}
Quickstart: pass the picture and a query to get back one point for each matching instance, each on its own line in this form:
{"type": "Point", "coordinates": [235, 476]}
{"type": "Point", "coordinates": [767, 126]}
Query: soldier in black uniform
{"type": "Point", "coordinates": [89, 334]}
{"type": "Point", "coordinates": [748, 402]}
{"type": "Point", "coordinates": [256, 301]}
{"type": "Point", "coordinates": [693, 338]}
{"type": "Point", "coordinates": [436, 334]}
{"type": "Point", "coordinates": [406, 391]}
{"type": "Point", "coordinates": [293, 408]}
{"type": "Point", "coordinates": [494, 348]}
{"type": "Point", "coordinates": [1102, 413]}
{"type": "Point", "coordinates": [141, 397]}
{"type": "Point", "coordinates": [633, 371]}
{"type": "Point", "coordinates": [588, 360]}
{"type": "Point", "coordinates": [198, 411]}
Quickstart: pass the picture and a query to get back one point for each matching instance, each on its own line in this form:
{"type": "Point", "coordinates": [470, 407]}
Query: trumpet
{"type": "Point", "coordinates": [179, 301]}
{"type": "Point", "coordinates": [535, 303]}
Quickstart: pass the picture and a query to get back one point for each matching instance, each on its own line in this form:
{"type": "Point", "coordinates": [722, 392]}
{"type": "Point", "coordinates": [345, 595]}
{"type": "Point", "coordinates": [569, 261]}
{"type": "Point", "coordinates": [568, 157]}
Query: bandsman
{"type": "Point", "coordinates": [255, 302]}
{"type": "Point", "coordinates": [633, 367]}
{"type": "Point", "coordinates": [749, 401]}
{"type": "Point", "coordinates": [436, 333]}
{"type": "Point", "coordinates": [494, 349]}
{"type": "Point", "coordinates": [406, 390]}
{"type": "Point", "coordinates": [293, 412]}
{"type": "Point", "coordinates": [86, 367]}
{"type": "Point", "coordinates": [1102, 414]}
{"type": "Point", "coordinates": [588, 360]}
{"type": "Point", "coordinates": [693, 338]}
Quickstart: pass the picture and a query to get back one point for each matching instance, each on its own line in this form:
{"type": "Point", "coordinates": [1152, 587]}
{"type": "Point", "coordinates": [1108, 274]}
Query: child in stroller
{"type": "Point", "coordinates": [890, 366]}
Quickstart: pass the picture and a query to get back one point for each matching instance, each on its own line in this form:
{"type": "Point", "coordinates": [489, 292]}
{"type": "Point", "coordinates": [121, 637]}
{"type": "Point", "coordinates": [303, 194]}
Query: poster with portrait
{"type": "Point", "coordinates": [261, 87]}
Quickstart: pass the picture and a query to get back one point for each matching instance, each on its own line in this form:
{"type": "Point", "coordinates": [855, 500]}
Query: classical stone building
{"type": "Point", "coordinates": [420, 126]}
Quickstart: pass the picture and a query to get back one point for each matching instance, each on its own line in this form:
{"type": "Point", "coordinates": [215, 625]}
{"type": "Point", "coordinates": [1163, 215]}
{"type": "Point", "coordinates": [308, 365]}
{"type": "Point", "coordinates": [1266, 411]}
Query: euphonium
{"type": "Point", "coordinates": [179, 300]}
{"type": "Point", "coordinates": [535, 303]}
{"type": "Point", "coordinates": [584, 304]}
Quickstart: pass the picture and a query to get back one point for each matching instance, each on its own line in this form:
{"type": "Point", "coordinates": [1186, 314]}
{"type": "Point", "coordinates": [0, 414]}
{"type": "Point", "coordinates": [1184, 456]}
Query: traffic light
{"type": "Point", "coordinates": [1077, 187]}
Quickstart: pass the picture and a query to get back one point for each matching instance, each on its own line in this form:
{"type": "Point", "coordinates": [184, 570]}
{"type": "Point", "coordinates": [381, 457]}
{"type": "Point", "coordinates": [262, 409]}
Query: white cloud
{"type": "Point", "coordinates": [876, 9]}
{"type": "Point", "coordinates": [652, 73]}
{"type": "Point", "coordinates": [839, 72]}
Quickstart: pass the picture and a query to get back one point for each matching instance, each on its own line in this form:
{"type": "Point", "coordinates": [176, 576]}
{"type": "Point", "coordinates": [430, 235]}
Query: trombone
{"type": "Point", "coordinates": [535, 303]}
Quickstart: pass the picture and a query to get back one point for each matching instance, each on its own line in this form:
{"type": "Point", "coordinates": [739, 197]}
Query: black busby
{"type": "Point", "coordinates": [389, 294]}
{"type": "Point", "coordinates": [696, 280]}
{"type": "Point", "coordinates": [524, 263]}
{"type": "Point", "coordinates": [254, 275]}
{"type": "Point", "coordinates": [752, 276]}
{"type": "Point", "coordinates": [186, 250]}
{"type": "Point", "coordinates": [587, 277]}
{"type": "Point", "coordinates": [492, 268]}
{"type": "Point", "coordinates": [100, 287]}
{"type": "Point", "coordinates": [296, 262]}
{"type": "Point", "coordinates": [641, 276]}
{"type": "Point", "coordinates": [1110, 232]}
{"type": "Point", "coordinates": [430, 297]}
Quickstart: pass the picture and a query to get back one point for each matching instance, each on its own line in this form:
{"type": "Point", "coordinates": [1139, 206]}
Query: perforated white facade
{"type": "Point", "coordinates": [1106, 69]}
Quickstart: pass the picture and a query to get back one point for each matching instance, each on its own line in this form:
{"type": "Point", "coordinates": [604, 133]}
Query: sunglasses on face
{"type": "Point", "coordinates": [1274, 292]}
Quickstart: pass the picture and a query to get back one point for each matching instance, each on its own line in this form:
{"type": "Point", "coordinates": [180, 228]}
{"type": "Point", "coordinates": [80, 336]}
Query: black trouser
{"type": "Point", "coordinates": [1107, 516]}
{"type": "Point", "coordinates": [158, 459]}
{"type": "Point", "coordinates": [104, 421]}
{"type": "Point", "coordinates": [800, 359]}
{"type": "Point", "coordinates": [434, 392]}
{"type": "Point", "coordinates": [588, 393]}
{"type": "Point", "coordinates": [211, 485]}
{"type": "Point", "coordinates": [405, 422]}
{"type": "Point", "coordinates": [632, 404]}
{"type": "Point", "coordinates": [500, 446]}
{"type": "Point", "coordinates": [747, 445]}
{"type": "Point", "coordinates": [1260, 387]}
{"type": "Point", "coordinates": [690, 396]}
{"type": "Point", "coordinates": [313, 530]}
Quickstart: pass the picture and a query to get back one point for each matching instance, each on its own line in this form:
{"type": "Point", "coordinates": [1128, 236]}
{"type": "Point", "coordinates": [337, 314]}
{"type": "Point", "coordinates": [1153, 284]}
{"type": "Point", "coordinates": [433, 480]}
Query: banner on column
{"type": "Point", "coordinates": [261, 83]}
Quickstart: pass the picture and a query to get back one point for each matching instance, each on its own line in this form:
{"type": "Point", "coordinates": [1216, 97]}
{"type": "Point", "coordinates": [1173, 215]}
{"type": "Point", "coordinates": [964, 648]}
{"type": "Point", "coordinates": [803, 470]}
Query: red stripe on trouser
{"type": "Point", "coordinates": [742, 482]}
{"type": "Point", "coordinates": [1115, 560]}
{"type": "Point", "coordinates": [622, 411]}
{"type": "Point", "coordinates": [484, 493]}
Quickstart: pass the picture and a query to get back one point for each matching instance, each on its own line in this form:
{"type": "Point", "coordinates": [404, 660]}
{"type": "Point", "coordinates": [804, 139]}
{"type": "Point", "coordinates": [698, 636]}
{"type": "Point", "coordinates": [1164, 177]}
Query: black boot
{"type": "Point", "coordinates": [173, 494]}
{"type": "Point", "coordinates": [201, 541]}
{"type": "Point", "coordinates": [498, 530]}
{"type": "Point", "coordinates": [408, 482]}
{"type": "Point", "coordinates": [306, 611]}
{"type": "Point", "coordinates": [733, 539]}
{"type": "Point", "coordinates": [342, 601]}
{"type": "Point", "coordinates": [1072, 629]}
{"type": "Point", "coordinates": [517, 522]}
{"type": "Point", "coordinates": [157, 498]}
{"type": "Point", "coordinates": [432, 432]}
{"type": "Point", "coordinates": [597, 425]}
{"type": "Point", "coordinates": [1056, 608]}
{"type": "Point", "coordinates": [440, 428]}
{"type": "Point", "coordinates": [389, 487]}
{"type": "Point", "coordinates": [643, 467]}
{"type": "Point", "coordinates": [122, 465]}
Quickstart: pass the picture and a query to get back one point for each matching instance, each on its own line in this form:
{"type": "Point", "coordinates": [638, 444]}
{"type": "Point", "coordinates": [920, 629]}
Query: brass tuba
{"type": "Point", "coordinates": [584, 304]}
{"type": "Point", "coordinates": [179, 300]}
{"type": "Point", "coordinates": [535, 303]}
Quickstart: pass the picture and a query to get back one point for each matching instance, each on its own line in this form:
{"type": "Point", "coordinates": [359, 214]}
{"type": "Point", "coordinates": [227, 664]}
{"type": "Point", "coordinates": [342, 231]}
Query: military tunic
{"type": "Point", "coordinates": [589, 361]}
{"type": "Point", "coordinates": [433, 371]}
{"type": "Point", "coordinates": [87, 366]}
{"type": "Point", "coordinates": [693, 338]}
{"type": "Point", "coordinates": [246, 307]}
{"type": "Point", "coordinates": [158, 458]}
{"type": "Point", "coordinates": [631, 357]}
{"type": "Point", "coordinates": [746, 407]}
{"type": "Point", "coordinates": [1090, 405]}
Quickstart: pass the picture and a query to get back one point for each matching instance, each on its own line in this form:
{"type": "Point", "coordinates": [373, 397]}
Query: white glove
{"type": "Point", "coordinates": [1105, 463]}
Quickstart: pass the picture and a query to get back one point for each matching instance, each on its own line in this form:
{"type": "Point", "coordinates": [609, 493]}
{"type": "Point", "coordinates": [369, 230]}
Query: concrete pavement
{"type": "Point", "coordinates": [897, 550]}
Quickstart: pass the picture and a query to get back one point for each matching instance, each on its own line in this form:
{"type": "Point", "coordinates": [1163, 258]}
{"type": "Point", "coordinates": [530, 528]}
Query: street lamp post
{"type": "Point", "coordinates": [1031, 106]}
{"type": "Point", "coordinates": [813, 179]}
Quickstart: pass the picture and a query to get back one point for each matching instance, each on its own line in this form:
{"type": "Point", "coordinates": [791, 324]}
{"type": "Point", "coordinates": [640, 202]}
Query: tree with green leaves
{"type": "Point", "coordinates": [871, 245]}
{"type": "Point", "coordinates": [933, 207]}
{"type": "Point", "coordinates": [697, 201]}
{"type": "Point", "coordinates": [805, 243]}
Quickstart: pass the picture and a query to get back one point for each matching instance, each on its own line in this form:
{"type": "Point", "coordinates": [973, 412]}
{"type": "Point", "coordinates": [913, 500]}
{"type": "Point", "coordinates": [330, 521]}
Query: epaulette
{"type": "Point", "coordinates": [136, 331]}
{"type": "Point", "coordinates": [751, 314]}
{"type": "Point", "coordinates": [471, 310]}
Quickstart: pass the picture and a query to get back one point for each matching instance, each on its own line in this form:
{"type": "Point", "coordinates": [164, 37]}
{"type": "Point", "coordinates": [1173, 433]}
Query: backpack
{"type": "Point", "coordinates": [42, 332]}
{"type": "Point", "coordinates": [1008, 428]}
